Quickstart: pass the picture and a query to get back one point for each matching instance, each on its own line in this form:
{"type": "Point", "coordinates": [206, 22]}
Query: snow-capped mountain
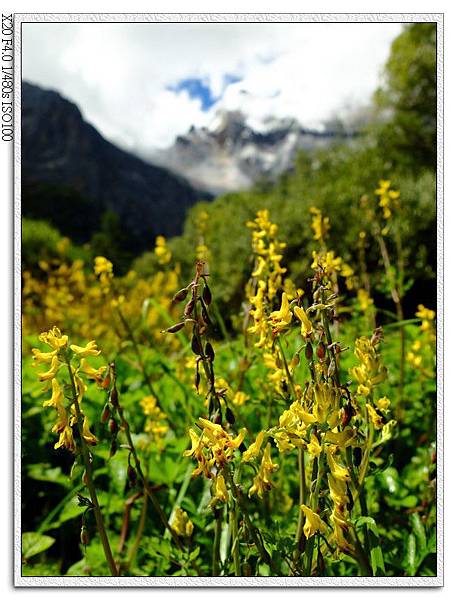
{"type": "Point", "coordinates": [230, 154]}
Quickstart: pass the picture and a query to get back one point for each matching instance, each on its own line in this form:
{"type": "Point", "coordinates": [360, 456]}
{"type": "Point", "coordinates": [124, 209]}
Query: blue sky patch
{"type": "Point", "coordinates": [199, 89]}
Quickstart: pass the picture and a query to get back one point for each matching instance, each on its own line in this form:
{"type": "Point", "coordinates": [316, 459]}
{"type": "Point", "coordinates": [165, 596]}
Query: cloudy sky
{"type": "Point", "coordinates": [141, 84]}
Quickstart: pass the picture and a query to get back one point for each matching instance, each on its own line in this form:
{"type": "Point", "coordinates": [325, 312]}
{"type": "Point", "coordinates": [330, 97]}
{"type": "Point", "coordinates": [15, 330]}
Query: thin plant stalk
{"type": "Point", "coordinates": [89, 478]}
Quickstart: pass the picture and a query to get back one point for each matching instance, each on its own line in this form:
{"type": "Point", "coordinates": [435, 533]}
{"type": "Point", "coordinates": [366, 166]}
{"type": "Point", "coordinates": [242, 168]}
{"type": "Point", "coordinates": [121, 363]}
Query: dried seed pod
{"type": "Point", "coordinates": [175, 328]}
{"type": "Point", "coordinates": [205, 316]}
{"type": "Point", "coordinates": [106, 413]}
{"type": "Point", "coordinates": [309, 352]}
{"type": "Point", "coordinates": [113, 448]}
{"type": "Point", "coordinates": [321, 351]}
{"type": "Point", "coordinates": [218, 418]}
{"type": "Point", "coordinates": [197, 378]}
{"type": "Point", "coordinates": [348, 413]}
{"type": "Point", "coordinates": [113, 427]}
{"type": "Point", "coordinates": [230, 417]}
{"type": "Point", "coordinates": [357, 456]}
{"type": "Point", "coordinates": [180, 295]}
{"type": "Point", "coordinates": [106, 382]}
{"type": "Point", "coordinates": [84, 539]}
{"type": "Point", "coordinates": [131, 474]}
{"type": "Point", "coordinates": [196, 346]}
{"type": "Point", "coordinates": [209, 352]}
{"type": "Point", "coordinates": [189, 308]}
{"type": "Point", "coordinates": [206, 295]}
{"type": "Point", "coordinates": [331, 369]}
{"type": "Point", "coordinates": [114, 397]}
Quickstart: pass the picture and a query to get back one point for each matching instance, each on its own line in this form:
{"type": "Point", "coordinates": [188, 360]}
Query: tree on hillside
{"type": "Point", "coordinates": [408, 97]}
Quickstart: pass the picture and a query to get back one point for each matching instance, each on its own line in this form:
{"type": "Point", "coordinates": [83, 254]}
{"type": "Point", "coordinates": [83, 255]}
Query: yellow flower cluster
{"type": "Point", "coordinates": [182, 525]}
{"type": "Point", "coordinates": [66, 295]}
{"type": "Point", "coordinates": [213, 449]}
{"type": "Point", "coordinates": [421, 355]}
{"type": "Point", "coordinates": [58, 357]}
{"type": "Point", "coordinates": [320, 224]}
{"type": "Point", "coordinates": [370, 371]}
{"type": "Point", "coordinates": [162, 252]}
{"type": "Point", "coordinates": [388, 198]}
{"type": "Point", "coordinates": [156, 422]}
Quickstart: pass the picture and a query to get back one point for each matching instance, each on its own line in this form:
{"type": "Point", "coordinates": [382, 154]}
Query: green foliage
{"type": "Point", "coordinates": [409, 96]}
{"type": "Point", "coordinates": [34, 543]}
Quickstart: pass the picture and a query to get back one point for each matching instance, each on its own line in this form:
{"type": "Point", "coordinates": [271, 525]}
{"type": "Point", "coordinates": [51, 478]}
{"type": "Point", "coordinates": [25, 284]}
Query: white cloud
{"type": "Point", "coordinates": [118, 73]}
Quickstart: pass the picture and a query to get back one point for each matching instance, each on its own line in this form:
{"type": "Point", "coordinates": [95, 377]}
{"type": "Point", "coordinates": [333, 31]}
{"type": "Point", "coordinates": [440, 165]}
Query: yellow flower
{"type": "Point", "coordinates": [283, 441]}
{"type": "Point", "coordinates": [339, 515]}
{"type": "Point", "coordinates": [220, 489]}
{"type": "Point", "coordinates": [181, 524]}
{"type": "Point", "coordinates": [54, 338]}
{"type": "Point", "coordinates": [314, 447]}
{"type": "Point", "coordinates": [62, 427]}
{"type": "Point", "coordinates": [364, 299]}
{"type": "Point", "coordinates": [102, 265]}
{"type": "Point", "coordinates": [262, 480]}
{"type": "Point", "coordinates": [320, 224]}
{"type": "Point", "coordinates": [89, 350]}
{"type": "Point", "coordinates": [43, 357]}
{"type": "Point", "coordinates": [162, 252]}
{"type": "Point", "coordinates": [88, 436]}
{"type": "Point", "coordinates": [51, 373]}
{"type": "Point", "coordinates": [195, 441]}
{"type": "Point", "coordinates": [338, 471]}
{"type": "Point", "coordinates": [280, 319]}
{"type": "Point", "coordinates": [306, 327]}
{"type": "Point", "coordinates": [254, 449]}
{"type": "Point", "coordinates": [313, 522]}
{"type": "Point", "coordinates": [383, 403]}
{"type": "Point", "coordinates": [90, 372]}
{"type": "Point", "coordinates": [240, 398]}
{"type": "Point", "coordinates": [57, 395]}
{"type": "Point", "coordinates": [376, 418]}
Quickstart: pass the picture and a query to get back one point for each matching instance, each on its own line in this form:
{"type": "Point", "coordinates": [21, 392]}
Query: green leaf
{"type": "Point", "coordinates": [411, 555]}
{"type": "Point", "coordinates": [374, 546]}
{"type": "Point", "coordinates": [34, 543]}
{"type": "Point", "coordinates": [420, 534]}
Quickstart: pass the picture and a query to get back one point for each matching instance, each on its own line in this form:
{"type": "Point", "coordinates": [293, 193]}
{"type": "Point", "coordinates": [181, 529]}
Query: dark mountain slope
{"type": "Point", "coordinates": [72, 176]}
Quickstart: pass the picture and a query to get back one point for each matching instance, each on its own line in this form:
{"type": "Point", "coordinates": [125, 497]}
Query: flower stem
{"type": "Point", "coordinates": [217, 542]}
{"type": "Point", "coordinates": [89, 478]}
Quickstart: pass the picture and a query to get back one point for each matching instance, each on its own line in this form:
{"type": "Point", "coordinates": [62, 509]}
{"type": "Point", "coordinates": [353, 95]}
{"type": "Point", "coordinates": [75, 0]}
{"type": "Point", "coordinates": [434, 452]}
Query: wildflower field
{"type": "Point", "coordinates": [295, 437]}
{"type": "Point", "coordinates": [257, 396]}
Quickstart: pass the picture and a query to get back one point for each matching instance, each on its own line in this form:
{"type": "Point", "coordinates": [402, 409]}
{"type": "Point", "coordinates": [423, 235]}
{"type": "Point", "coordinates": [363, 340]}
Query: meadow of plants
{"type": "Point", "coordinates": [254, 398]}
